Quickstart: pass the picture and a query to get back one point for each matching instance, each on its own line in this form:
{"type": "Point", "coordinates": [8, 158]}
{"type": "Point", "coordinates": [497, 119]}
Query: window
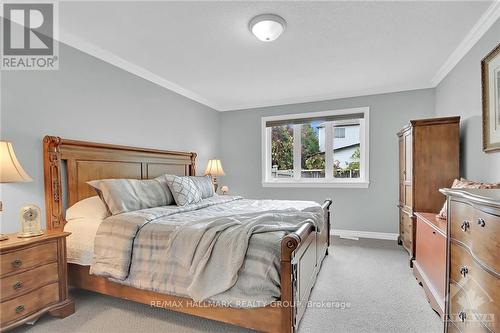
{"type": "Point", "coordinates": [339, 132]}
{"type": "Point", "coordinates": [319, 149]}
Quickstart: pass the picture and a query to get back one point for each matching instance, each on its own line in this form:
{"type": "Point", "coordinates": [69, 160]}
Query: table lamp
{"type": "Point", "coordinates": [10, 170]}
{"type": "Point", "coordinates": [214, 169]}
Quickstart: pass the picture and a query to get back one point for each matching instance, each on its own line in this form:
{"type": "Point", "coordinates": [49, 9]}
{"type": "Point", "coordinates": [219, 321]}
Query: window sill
{"type": "Point", "coordinates": [316, 184]}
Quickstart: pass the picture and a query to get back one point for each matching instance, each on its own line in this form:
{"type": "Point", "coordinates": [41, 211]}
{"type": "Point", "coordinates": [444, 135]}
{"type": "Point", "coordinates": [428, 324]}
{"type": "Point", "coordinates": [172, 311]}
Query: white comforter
{"type": "Point", "coordinates": [226, 249]}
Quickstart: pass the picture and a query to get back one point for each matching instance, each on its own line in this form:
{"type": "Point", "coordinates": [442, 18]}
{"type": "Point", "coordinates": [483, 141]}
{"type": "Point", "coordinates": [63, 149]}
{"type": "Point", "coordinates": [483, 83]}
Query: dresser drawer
{"type": "Point", "coordinates": [17, 284]}
{"type": "Point", "coordinates": [477, 230]}
{"type": "Point", "coordinates": [27, 304]}
{"type": "Point", "coordinates": [452, 328]}
{"type": "Point", "coordinates": [474, 278]}
{"type": "Point", "coordinates": [470, 309]}
{"type": "Point", "coordinates": [28, 257]}
{"type": "Point", "coordinates": [407, 223]}
{"type": "Point", "coordinates": [408, 196]}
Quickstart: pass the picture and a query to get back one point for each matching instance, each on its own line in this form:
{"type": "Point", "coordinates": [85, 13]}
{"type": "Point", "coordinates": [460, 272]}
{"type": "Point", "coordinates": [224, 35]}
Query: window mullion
{"type": "Point", "coordinates": [297, 151]}
{"type": "Point", "coordinates": [329, 150]}
{"type": "Point", "coordinates": [362, 149]}
{"type": "Point", "coordinates": [268, 153]}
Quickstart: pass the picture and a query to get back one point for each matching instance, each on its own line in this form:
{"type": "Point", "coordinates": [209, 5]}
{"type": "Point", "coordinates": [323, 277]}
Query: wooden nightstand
{"type": "Point", "coordinates": [33, 279]}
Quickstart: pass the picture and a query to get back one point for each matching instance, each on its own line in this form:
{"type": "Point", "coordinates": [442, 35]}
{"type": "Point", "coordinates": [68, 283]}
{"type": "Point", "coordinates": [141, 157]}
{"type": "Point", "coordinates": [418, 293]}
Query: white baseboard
{"type": "Point", "coordinates": [364, 234]}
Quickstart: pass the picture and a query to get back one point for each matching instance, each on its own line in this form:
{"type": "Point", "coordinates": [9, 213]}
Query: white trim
{"type": "Point", "coordinates": [484, 23]}
{"type": "Point", "coordinates": [329, 158]}
{"type": "Point", "coordinates": [324, 97]}
{"type": "Point", "coordinates": [317, 114]}
{"type": "Point", "coordinates": [365, 153]}
{"type": "Point", "coordinates": [326, 182]}
{"type": "Point", "coordinates": [297, 148]}
{"type": "Point", "coordinates": [478, 30]}
{"type": "Point", "coordinates": [364, 234]}
{"type": "Point", "coordinates": [320, 184]}
{"type": "Point", "coordinates": [113, 59]}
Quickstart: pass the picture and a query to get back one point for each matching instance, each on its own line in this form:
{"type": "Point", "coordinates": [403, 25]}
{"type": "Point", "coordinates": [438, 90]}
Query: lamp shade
{"type": "Point", "coordinates": [214, 168]}
{"type": "Point", "coordinates": [10, 169]}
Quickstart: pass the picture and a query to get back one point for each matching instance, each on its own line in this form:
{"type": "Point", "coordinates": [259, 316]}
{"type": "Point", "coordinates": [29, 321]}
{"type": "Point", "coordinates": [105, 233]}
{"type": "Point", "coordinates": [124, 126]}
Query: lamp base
{"type": "Point", "coordinates": [216, 184]}
{"type": "Point", "coordinates": [2, 236]}
{"type": "Point", "coordinates": [29, 234]}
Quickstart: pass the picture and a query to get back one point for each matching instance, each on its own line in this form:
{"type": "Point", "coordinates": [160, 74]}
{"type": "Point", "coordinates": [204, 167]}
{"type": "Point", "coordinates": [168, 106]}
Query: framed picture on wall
{"type": "Point", "coordinates": [490, 74]}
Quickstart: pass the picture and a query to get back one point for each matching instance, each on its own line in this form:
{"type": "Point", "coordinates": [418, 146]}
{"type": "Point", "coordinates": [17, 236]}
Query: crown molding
{"type": "Point", "coordinates": [490, 16]}
{"type": "Point", "coordinates": [111, 58]}
{"type": "Point", "coordinates": [323, 97]}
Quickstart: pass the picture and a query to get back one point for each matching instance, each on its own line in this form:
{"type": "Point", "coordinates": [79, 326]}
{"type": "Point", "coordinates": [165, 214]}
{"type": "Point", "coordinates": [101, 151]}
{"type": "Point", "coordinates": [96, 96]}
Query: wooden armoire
{"type": "Point", "coordinates": [428, 161]}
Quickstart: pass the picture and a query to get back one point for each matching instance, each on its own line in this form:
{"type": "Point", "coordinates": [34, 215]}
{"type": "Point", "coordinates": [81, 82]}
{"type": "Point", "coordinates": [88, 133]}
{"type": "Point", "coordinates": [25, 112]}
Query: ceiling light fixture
{"type": "Point", "coordinates": [267, 27]}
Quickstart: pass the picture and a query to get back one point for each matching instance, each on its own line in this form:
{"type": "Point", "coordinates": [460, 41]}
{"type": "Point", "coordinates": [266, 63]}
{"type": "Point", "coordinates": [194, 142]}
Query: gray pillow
{"type": "Point", "coordinates": [205, 186]}
{"type": "Point", "coordinates": [183, 189]}
{"type": "Point", "coordinates": [126, 195]}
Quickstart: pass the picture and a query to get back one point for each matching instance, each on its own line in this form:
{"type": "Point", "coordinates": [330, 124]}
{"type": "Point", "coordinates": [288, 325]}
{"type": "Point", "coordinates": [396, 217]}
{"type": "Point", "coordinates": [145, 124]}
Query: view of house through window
{"type": "Point", "coordinates": [329, 147]}
{"type": "Point", "coordinates": [346, 151]}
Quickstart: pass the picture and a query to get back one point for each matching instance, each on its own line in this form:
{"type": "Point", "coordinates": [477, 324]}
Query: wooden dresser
{"type": "Point", "coordinates": [473, 255]}
{"type": "Point", "coordinates": [33, 279]}
{"type": "Point", "coordinates": [428, 161]}
{"type": "Point", "coordinates": [429, 266]}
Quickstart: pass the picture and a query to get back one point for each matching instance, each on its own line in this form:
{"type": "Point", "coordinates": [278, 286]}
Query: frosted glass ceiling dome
{"type": "Point", "coordinates": [267, 27]}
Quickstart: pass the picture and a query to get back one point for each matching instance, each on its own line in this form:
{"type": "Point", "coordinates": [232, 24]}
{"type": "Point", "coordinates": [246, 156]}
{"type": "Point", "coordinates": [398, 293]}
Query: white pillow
{"type": "Point", "coordinates": [127, 195]}
{"type": "Point", "coordinates": [92, 208]}
{"type": "Point", "coordinates": [183, 189]}
{"type": "Point", "coordinates": [205, 185]}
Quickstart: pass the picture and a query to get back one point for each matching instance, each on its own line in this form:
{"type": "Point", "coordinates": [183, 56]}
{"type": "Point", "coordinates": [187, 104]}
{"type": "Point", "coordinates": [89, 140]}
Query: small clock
{"type": "Point", "coordinates": [224, 190]}
{"type": "Point", "coordinates": [29, 218]}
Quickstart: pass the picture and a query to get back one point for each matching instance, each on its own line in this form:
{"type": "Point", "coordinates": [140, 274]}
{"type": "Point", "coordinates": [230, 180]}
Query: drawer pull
{"type": "Point", "coordinates": [462, 315]}
{"type": "Point", "coordinates": [465, 226]}
{"type": "Point", "coordinates": [19, 308]}
{"type": "Point", "coordinates": [17, 263]}
{"type": "Point", "coordinates": [481, 222]}
{"type": "Point", "coordinates": [464, 270]}
{"type": "Point", "coordinates": [17, 285]}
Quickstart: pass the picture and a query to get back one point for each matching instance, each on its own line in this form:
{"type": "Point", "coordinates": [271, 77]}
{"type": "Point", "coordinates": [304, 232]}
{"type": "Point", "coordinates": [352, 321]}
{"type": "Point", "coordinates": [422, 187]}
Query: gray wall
{"type": "Point", "coordinates": [460, 94]}
{"type": "Point", "coordinates": [88, 99]}
{"type": "Point", "coordinates": [372, 209]}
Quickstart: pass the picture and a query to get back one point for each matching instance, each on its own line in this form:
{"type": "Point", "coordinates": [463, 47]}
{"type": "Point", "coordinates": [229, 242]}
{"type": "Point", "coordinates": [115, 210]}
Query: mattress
{"type": "Point", "coordinates": [80, 244]}
{"type": "Point", "coordinates": [146, 265]}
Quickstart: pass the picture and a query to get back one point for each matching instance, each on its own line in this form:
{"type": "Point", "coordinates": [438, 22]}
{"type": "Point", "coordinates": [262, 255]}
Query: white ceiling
{"type": "Point", "coordinates": [205, 51]}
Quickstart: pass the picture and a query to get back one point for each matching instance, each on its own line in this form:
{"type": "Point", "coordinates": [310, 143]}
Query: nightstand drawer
{"type": "Point", "coordinates": [30, 303]}
{"type": "Point", "coordinates": [17, 284]}
{"type": "Point", "coordinates": [27, 258]}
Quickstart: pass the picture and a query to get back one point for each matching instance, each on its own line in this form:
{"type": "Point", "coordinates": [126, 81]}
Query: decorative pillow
{"type": "Point", "coordinates": [205, 186]}
{"type": "Point", "coordinates": [464, 183]}
{"type": "Point", "coordinates": [183, 189]}
{"type": "Point", "coordinates": [163, 181]}
{"type": "Point", "coordinates": [92, 208]}
{"type": "Point", "coordinates": [125, 195]}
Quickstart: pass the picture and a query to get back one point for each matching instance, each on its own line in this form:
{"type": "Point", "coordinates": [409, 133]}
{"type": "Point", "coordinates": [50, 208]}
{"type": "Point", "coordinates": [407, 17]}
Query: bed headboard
{"type": "Point", "coordinates": [69, 165]}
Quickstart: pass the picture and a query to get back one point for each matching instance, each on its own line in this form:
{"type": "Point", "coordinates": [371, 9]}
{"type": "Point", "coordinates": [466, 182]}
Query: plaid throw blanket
{"type": "Point", "coordinates": [224, 249]}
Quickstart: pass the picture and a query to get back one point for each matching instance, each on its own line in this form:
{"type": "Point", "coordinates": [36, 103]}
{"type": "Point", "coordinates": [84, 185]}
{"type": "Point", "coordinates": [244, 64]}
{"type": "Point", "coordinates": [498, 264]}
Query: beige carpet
{"type": "Point", "coordinates": [366, 286]}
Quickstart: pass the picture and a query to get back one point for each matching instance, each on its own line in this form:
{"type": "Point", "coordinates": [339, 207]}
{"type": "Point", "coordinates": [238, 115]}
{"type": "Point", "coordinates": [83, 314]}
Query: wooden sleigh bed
{"type": "Point", "coordinates": [69, 164]}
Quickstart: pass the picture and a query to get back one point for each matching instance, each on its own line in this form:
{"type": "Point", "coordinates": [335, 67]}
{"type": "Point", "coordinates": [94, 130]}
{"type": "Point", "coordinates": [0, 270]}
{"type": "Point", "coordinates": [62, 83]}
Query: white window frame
{"type": "Point", "coordinates": [329, 181]}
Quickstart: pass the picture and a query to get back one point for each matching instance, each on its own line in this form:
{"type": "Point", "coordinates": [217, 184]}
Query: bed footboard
{"type": "Point", "coordinates": [302, 254]}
